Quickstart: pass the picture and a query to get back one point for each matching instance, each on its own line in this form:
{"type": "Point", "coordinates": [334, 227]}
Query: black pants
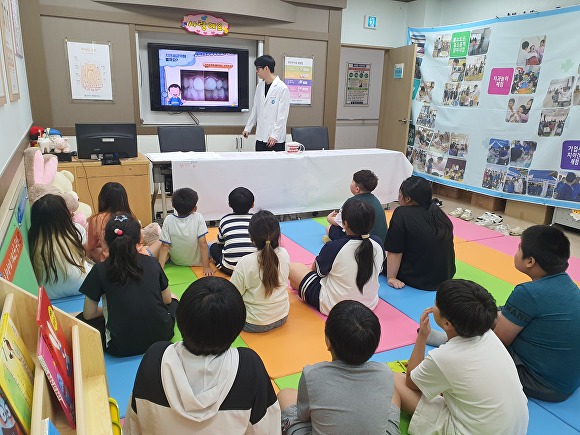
{"type": "Point", "coordinates": [263, 146]}
{"type": "Point", "coordinates": [215, 250]}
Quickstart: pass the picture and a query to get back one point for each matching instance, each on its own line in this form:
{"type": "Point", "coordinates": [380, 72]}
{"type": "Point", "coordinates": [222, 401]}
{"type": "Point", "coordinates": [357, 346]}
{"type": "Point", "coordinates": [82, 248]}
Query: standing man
{"type": "Point", "coordinates": [270, 109]}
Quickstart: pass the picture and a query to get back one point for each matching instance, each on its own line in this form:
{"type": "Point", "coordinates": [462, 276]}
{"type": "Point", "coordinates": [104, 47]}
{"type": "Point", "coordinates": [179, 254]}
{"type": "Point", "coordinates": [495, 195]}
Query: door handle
{"type": "Point", "coordinates": [404, 120]}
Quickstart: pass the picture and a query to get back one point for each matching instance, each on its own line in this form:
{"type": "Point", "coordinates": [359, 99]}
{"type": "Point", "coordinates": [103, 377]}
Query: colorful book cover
{"type": "Point", "coordinates": [8, 424]}
{"type": "Point", "coordinates": [17, 374]}
{"type": "Point", "coordinates": [64, 396]}
{"type": "Point", "coordinates": [55, 339]}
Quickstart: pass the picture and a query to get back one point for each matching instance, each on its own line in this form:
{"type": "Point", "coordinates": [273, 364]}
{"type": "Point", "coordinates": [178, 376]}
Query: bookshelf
{"type": "Point", "coordinates": [92, 404]}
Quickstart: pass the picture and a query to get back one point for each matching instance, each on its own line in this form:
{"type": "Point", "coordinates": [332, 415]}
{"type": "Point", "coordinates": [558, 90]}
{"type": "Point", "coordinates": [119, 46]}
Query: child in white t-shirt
{"type": "Point", "coordinates": [470, 384]}
{"type": "Point", "coordinates": [262, 277]}
{"type": "Point", "coordinates": [183, 235]}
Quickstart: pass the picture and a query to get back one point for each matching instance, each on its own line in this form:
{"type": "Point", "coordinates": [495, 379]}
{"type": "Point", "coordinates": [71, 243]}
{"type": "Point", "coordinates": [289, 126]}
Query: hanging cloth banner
{"type": "Point", "coordinates": [496, 107]}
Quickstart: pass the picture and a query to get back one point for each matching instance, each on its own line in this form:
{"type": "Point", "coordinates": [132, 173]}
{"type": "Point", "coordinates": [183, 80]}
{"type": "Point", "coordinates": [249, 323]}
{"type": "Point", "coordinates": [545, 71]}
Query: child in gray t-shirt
{"type": "Point", "coordinates": [350, 394]}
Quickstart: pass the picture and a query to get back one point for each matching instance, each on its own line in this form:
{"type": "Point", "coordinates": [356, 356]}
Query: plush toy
{"type": "Point", "coordinates": [41, 172]}
{"type": "Point", "coordinates": [60, 144]}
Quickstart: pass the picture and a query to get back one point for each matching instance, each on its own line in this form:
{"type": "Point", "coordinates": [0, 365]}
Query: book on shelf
{"type": "Point", "coordinates": [55, 356]}
{"type": "Point", "coordinates": [48, 428]}
{"type": "Point", "coordinates": [7, 421]}
{"type": "Point", "coordinates": [17, 377]}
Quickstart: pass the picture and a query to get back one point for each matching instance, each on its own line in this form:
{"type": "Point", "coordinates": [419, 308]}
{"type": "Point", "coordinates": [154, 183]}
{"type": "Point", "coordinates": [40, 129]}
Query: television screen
{"type": "Point", "coordinates": [97, 141]}
{"type": "Point", "coordinates": [189, 78]}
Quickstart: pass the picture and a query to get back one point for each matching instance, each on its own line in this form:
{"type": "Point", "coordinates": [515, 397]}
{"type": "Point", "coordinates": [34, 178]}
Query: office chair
{"type": "Point", "coordinates": [179, 138]}
{"type": "Point", "coordinates": [313, 138]}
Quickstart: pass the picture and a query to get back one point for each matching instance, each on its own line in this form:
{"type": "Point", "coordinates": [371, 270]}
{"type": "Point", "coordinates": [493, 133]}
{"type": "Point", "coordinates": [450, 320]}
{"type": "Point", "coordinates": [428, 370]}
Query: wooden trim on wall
{"type": "Point", "coordinates": [332, 68]}
{"type": "Point", "coordinates": [10, 172]}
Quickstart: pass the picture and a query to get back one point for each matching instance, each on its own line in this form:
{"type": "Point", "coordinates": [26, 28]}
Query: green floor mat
{"type": "Point", "coordinates": [290, 381]}
{"type": "Point", "coordinates": [321, 220]}
{"type": "Point", "coordinates": [497, 287]}
{"type": "Point", "coordinates": [179, 274]}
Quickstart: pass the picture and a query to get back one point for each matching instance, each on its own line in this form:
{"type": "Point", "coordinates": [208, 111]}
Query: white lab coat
{"type": "Point", "coordinates": [270, 112]}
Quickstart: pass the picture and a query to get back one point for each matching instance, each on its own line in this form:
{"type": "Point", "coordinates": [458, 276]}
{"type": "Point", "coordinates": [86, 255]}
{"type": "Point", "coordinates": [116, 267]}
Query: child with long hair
{"type": "Point", "coordinates": [138, 308]}
{"type": "Point", "coordinates": [58, 258]}
{"type": "Point", "coordinates": [262, 277]}
{"type": "Point", "coordinates": [419, 241]}
{"type": "Point", "coordinates": [113, 200]}
{"type": "Point", "coordinates": [346, 268]}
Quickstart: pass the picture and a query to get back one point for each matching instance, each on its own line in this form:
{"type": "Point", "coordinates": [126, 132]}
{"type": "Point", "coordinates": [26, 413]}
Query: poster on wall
{"type": "Point", "coordinates": [90, 70]}
{"type": "Point", "coordinates": [16, 29]}
{"type": "Point", "coordinates": [8, 47]}
{"type": "Point", "coordinates": [496, 107]}
{"type": "Point", "coordinates": [298, 73]}
{"type": "Point", "coordinates": [2, 88]}
{"type": "Point", "coordinates": [358, 78]}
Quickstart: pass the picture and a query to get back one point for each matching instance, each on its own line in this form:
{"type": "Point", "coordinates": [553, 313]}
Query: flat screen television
{"type": "Point", "coordinates": [95, 141]}
{"type": "Point", "coordinates": [192, 78]}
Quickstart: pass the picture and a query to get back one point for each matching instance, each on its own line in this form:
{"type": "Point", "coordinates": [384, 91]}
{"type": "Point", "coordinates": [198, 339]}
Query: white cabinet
{"type": "Point", "coordinates": [229, 143]}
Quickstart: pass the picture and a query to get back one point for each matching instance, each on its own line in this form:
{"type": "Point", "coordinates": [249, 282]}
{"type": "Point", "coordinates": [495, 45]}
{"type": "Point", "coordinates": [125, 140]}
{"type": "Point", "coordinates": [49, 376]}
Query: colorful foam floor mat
{"type": "Point", "coordinates": [482, 255]}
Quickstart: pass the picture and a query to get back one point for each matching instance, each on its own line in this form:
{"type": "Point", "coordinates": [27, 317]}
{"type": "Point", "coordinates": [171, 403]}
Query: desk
{"type": "Point", "coordinates": [282, 183]}
{"type": "Point", "coordinates": [133, 174]}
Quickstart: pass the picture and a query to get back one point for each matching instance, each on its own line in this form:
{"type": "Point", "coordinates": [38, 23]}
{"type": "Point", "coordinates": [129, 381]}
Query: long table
{"type": "Point", "coordinates": [282, 183]}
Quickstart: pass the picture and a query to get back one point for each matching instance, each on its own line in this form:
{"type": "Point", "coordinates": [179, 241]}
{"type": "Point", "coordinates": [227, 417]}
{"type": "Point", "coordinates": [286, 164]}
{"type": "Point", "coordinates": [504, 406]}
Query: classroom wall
{"type": "Point", "coordinates": [15, 121]}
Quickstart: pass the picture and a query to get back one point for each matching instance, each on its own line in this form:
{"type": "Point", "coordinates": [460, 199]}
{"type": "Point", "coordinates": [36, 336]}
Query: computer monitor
{"type": "Point", "coordinates": [98, 141]}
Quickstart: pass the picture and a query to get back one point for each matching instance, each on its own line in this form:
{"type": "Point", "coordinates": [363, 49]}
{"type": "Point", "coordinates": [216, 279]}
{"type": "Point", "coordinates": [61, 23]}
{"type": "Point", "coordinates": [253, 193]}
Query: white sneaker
{"type": "Point", "coordinates": [457, 212]}
{"type": "Point", "coordinates": [485, 216]}
{"type": "Point", "coordinates": [517, 231]}
{"type": "Point", "coordinates": [495, 218]}
{"type": "Point", "coordinates": [486, 223]}
{"type": "Point", "coordinates": [504, 229]}
{"type": "Point", "coordinates": [467, 215]}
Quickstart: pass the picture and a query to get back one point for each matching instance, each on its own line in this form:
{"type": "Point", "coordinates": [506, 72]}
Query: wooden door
{"type": "Point", "coordinates": [395, 113]}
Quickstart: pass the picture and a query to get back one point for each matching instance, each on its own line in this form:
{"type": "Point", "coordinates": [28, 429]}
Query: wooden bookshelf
{"type": "Point", "coordinates": [91, 392]}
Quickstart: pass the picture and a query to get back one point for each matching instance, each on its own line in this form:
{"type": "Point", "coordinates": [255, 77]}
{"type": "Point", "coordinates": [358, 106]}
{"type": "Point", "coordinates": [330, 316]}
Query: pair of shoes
{"type": "Point", "coordinates": [486, 223]}
{"type": "Point", "coordinates": [517, 231]}
{"type": "Point", "coordinates": [325, 239]}
{"type": "Point", "coordinates": [457, 212]}
{"type": "Point", "coordinates": [495, 218]}
{"type": "Point", "coordinates": [504, 229]}
{"type": "Point", "coordinates": [467, 215]}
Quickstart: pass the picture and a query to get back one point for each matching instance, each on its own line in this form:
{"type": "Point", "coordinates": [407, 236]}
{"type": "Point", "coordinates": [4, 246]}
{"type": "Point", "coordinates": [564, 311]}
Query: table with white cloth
{"type": "Point", "coordinates": [284, 183]}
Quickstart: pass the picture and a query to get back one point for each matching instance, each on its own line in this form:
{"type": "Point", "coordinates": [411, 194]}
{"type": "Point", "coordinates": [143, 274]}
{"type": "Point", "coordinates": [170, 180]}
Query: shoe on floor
{"type": "Point", "coordinates": [457, 212]}
{"type": "Point", "coordinates": [485, 223]}
{"type": "Point", "coordinates": [485, 216]}
{"type": "Point", "coordinates": [517, 231]}
{"type": "Point", "coordinates": [504, 229]}
{"type": "Point", "coordinates": [495, 218]}
{"type": "Point", "coordinates": [467, 215]}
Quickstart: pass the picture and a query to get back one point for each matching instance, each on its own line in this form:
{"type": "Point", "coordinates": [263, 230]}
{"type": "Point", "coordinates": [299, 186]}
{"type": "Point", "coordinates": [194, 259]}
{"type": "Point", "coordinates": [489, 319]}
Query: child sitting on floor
{"type": "Point", "coordinates": [113, 200]}
{"type": "Point", "coordinates": [262, 277]}
{"type": "Point", "coordinates": [201, 385]}
{"type": "Point", "coordinates": [233, 238]}
{"type": "Point", "coordinates": [138, 308]}
{"type": "Point", "coordinates": [346, 268]}
{"type": "Point", "coordinates": [183, 235]}
{"type": "Point", "coordinates": [470, 385]}
{"type": "Point", "coordinates": [362, 184]}
{"type": "Point", "coordinates": [56, 247]}
{"type": "Point", "coordinates": [350, 395]}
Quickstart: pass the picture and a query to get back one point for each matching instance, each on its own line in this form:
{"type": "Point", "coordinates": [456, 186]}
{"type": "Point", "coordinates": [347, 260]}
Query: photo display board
{"type": "Point", "coordinates": [496, 107]}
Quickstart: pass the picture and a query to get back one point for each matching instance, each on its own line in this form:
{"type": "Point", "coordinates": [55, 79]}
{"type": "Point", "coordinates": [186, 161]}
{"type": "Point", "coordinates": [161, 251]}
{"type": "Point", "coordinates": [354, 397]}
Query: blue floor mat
{"type": "Point", "coordinates": [543, 422]}
{"type": "Point", "coordinates": [70, 304]}
{"type": "Point", "coordinates": [307, 233]}
{"type": "Point", "coordinates": [400, 353]}
{"type": "Point", "coordinates": [121, 376]}
{"type": "Point", "coordinates": [567, 411]}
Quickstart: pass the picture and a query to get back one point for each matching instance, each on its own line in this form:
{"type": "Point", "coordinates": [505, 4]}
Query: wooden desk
{"type": "Point", "coordinates": [134, 174]}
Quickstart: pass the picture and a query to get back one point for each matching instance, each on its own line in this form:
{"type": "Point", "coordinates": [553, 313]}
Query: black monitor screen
{"type": "Point", "coordinates": [94, 141]}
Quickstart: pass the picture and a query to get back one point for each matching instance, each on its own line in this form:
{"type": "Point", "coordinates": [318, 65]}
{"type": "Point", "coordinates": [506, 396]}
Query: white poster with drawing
{"type": "Point", "coordinates": [8, 46]}
{"type": "Point", "coordinates": [90, 71]}
{"type": "Point", "coordinates": [16, 29]}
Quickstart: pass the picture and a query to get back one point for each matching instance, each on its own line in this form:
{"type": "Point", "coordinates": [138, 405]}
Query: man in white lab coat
{"type": "Point", "coordinates": [270, 110]}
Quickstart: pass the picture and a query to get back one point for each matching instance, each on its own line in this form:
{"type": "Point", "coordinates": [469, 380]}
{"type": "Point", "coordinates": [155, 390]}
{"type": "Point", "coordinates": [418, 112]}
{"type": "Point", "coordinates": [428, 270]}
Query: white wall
{"type": "Point", "coordinates": [15, 117]}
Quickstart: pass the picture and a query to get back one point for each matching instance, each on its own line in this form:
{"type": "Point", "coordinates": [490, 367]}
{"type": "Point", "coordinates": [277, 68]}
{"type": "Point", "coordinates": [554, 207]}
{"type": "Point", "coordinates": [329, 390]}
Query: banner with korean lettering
{"type": "Point", "coordinates": [496, 106]}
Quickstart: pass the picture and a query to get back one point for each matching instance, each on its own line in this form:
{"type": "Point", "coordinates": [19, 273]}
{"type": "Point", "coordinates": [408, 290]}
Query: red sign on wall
{"type": "Point", "coordinates": [205, 25]}
{"type": "Point", "coordinates": [10, 260]}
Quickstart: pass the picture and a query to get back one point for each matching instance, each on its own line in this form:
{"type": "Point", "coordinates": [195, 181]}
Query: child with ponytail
{"type": "Point", "coordinates": [138, 308]}
{"type": "Point", "coordinates": [262, 277]}
{"type": "Point", "coordinates": [347, 268]}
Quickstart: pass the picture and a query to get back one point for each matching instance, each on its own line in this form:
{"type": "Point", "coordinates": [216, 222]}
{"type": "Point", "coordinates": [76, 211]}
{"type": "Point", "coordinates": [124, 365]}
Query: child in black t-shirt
{"type": "Point", "coordinates": [138, 307]}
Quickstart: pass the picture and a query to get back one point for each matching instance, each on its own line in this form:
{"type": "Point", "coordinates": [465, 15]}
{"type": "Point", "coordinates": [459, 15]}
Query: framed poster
{"type": "Point", "coordinates": [2, 89]}
{"type": "Point", "coordinates": [358, 79]}
{"type": "Point", "coordinates": [89, 66]}
{"type": "Point", "coordinates": [298, 73]}
{"type": "Point", "coordinates": [16, 29]}
{"type": "Point", "coordinates": [8, 46]}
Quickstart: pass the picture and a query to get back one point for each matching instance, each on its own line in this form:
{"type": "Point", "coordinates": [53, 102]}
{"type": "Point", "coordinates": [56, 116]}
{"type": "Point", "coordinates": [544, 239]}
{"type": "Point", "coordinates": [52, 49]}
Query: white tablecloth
{"type": "Point", "coordinates": [284, 183]}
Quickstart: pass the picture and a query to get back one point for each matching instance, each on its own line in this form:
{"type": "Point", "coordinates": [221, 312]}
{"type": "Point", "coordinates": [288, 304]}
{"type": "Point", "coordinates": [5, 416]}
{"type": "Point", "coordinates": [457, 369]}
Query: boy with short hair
{"type": "Point", "coordinates": [233, 237]}
{"type": "Point", "coordinates": [201, 385]}
{"type": "Point", "coordinates": [540, 322]}
{"type": "Point", "coordinates": [350, 395]}
{"type": "Point", "coordinates": [469, 385]}
{"type": "Point", "coordinates": [362, 184]}
{"type": "Point", "coordinates": [183, 235]}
